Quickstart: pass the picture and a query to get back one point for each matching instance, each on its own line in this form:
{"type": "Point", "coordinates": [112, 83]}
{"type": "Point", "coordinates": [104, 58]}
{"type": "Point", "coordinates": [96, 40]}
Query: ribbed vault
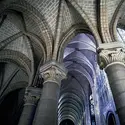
{"type": "Point", "coordinates": [12, 77]}
{"type": "Point", "coordinates": [80, 60]}
{"type": "Point", "coordinates": [33, 32]}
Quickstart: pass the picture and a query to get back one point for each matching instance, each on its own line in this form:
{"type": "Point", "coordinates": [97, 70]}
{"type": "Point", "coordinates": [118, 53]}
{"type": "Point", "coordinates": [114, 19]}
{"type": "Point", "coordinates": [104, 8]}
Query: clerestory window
{"type": "Point", "coordinates": [121, 35]}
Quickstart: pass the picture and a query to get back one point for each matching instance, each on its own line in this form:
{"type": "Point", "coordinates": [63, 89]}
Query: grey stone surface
{"type": "Point", "coordinates": [31, 99]}
{"type": "Point", "coordinates": [116, 76]}
{"type": "Point", "coordinates": [46, 112]}
{"type": "Point", "coordinates": [35, 32]}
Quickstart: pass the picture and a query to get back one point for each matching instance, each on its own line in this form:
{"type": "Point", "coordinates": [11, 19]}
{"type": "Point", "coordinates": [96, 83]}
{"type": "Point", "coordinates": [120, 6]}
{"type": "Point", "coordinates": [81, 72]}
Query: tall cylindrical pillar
{"type": "Point", "coordinates": [46, 113]}
{"type": "Point", "coordinates": [115, 69]}
{"type": "Point", "coordinates": [116, 76]}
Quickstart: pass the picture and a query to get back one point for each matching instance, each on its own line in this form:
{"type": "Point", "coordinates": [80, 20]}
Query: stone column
{"type": "Point", "coordinates": [31, 98]}
{"type": "Point", "coordinates": [46, 113]}
{"type": "Point", "coordinates": [113, 61]}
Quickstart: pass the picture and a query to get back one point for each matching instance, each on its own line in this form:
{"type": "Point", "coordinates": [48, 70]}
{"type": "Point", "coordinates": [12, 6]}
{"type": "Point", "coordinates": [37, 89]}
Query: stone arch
{"type": "Point", "coordinates": [13, 78]}
{"type": "Point", "coordinates": [15, 18]}
{"type": "Point", "coordinates": [20, 85]}
{"type": "Point", "coordinates": [36, 40]}
{"type": "Point", "coordinates": [69, 35]}
{"type": "Point", "coordinates": [114, 21]}
{"type": "Point", "coordinates": [18, 17]}
{"type": "Point", "coordinates": [16, 58]}
{"type": "Point", "coordinates": [77, 56]}
{"type": "Point", "coordinates": [78, 63]}
{"type": "Point", "coordinates": [45, 33]}
{"type": "Point", "coordinates": [25, 32]}
{"type": "Point", "coordinates": [82, 93]}
{"type": "Point", "coordinates": [85, 74]}
{"type": "Point", "coordinates": [110, 118]}
{"type": "Point", "coordinates": [87, 20]}
{"type": "Point", "coordinates": [77, 106]}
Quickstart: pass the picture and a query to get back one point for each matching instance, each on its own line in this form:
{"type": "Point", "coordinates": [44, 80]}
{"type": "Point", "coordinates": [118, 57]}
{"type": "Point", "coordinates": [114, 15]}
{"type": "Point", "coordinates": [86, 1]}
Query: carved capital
{"type": "Point", "coordinates": [32, 96]}
{"type": "Point", "coordinates": [111, 56]}
{"type": "Point", "coordinates": [53, 72]}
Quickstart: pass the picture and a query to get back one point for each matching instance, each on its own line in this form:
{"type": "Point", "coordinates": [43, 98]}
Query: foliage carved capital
{"type": "Point", "coordinates": [110, 56]}
{"type": "Point", "coordinates": [53, 72]}
{"type": "Point", "coordinates": [32, 96]}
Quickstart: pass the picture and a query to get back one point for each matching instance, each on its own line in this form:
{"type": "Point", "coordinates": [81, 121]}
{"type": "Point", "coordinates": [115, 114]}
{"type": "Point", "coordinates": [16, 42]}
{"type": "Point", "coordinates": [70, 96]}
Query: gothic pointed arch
{"type": "Point", "coordinates": [115, 20]}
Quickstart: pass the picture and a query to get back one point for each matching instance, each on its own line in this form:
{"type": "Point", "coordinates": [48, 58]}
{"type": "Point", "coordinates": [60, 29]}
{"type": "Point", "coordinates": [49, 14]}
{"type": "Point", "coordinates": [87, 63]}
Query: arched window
{"type": "Point", "coordinates": [111, 119]}
{"type": "Point", "coordinates": [67, 122]}
{"type": "Point", "coordinates": [121, 35]}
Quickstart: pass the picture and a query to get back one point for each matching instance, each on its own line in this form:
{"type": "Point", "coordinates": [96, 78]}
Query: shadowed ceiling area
{"type": "Point", "coordinates": [11, 107]}
{"type": "Point", "coordinates": [13, 81]}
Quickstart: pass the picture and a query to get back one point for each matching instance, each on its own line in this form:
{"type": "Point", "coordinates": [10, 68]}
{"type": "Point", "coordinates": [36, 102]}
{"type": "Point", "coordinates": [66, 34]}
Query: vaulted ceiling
{"type": "Point", "coordinates": [35, 31]}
